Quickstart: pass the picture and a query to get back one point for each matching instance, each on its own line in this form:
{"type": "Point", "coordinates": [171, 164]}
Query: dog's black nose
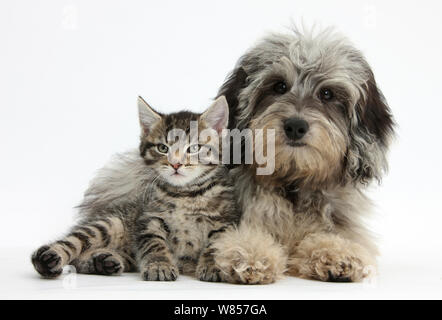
{"type": "Point", "coordinates": [295, 128]}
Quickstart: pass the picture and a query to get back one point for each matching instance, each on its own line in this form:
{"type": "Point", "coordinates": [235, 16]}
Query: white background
{"type": "Point", "coordinates": [70, 72]}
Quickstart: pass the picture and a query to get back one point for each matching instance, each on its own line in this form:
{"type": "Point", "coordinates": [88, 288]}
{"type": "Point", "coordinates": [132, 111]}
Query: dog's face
{"type": "Point", "coordinates": [319, 95]}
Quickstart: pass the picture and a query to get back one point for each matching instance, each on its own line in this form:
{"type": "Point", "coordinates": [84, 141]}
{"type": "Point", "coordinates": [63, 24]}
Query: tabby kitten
{"type": "Point", "coordinates": [189, 204]}
{"type": "Point", "coordinates": [156, 211]}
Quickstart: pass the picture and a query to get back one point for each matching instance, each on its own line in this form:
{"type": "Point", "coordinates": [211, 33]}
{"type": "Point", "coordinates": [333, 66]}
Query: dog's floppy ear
{"type": "Point", "coordinates": [236, 81]}
{"type": "Point", "coordinates": [374, 113]}
{"type": "Point", "coordinates": [370, 135]}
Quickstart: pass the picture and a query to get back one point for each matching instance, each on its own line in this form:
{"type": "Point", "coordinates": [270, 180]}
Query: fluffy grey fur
{"type": "Point", "coordinates": [312, 207]}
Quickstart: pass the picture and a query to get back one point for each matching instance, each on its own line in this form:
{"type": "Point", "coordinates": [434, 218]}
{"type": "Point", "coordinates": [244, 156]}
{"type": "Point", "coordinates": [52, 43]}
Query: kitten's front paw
{"type": "Point", "coordinates": [47, 262]}
{"type": "Point", "coordinates": [107, 264]}
{"type": "Point", "coordinates": [210, 273]}
{"type": "Point", "coordinates": [159, 271]}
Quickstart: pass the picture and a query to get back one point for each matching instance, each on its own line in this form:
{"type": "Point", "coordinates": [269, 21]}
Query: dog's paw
{"type": "Point", "coordinates": [47, 262]}
{"type": "Point", "coordinates": [159, 271]}
{"type": "Point", "coordinates": [107, 264]}
{"type": "Point", "coordinates": [243, 268]}
{"type": "Point", "coordinates": [249, 256]}
{"type": "Point", "coordinates": [326, 265]}
{"type": "Point", "coordinates": [331, 258]}
{"type": "Point", "coordinates": [209, 273]}
{"type": "Point", "coordinates": [252, 271]}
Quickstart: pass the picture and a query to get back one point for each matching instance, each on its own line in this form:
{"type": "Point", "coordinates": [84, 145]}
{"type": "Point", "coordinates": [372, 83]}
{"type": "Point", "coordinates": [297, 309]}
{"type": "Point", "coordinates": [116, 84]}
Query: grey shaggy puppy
{"type": "Point", "coordinates": [333, 128]}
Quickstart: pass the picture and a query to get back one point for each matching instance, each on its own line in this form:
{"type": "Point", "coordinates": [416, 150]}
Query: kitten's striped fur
{"type": "Point", "coordinates": [135, 216]}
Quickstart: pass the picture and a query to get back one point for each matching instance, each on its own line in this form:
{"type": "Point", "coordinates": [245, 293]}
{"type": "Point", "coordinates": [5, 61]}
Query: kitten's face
{"type": "Point", "coordinates": [179, 155]}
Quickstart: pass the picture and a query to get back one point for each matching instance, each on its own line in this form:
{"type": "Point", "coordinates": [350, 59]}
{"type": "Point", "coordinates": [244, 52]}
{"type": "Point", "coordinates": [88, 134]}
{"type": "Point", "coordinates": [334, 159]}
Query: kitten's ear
{"type": "Point", "coordinates": [217, 116]}
{"type": "Point", "coordinates": [148, 117]}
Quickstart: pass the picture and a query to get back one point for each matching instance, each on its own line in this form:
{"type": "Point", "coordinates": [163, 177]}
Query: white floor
{"type": "Point", "coordinates": [400, 277]}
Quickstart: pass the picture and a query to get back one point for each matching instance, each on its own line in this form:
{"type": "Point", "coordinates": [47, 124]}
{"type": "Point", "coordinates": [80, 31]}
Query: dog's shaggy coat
{"type": "Point", "coordinates": [309, 212]}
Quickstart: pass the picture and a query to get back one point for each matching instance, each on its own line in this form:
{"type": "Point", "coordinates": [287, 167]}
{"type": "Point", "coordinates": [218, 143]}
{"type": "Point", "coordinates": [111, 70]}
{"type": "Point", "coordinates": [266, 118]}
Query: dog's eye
{"type": "Point", "coordinates": [194, 148]}
{"type": "Point", "coordinates": [280, 87]}
{"type": "Point", "coordinates": [326, 94]}
{"type": "Point", "coordinates": [162, 148]}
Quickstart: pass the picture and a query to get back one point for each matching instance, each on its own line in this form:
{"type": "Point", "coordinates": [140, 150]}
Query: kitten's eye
{"type": "Point", "coordinates": [326, 94]}
{"type": "Point", "coordinates": [194, 148]}
{"type": "Point", "coordinates": [162, 148]}
{"type": "Point", "coordinates": [280, 87]}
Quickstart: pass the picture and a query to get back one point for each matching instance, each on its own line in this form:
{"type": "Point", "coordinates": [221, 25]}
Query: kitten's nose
{"type": "Point", "coordinates": [176, 166]}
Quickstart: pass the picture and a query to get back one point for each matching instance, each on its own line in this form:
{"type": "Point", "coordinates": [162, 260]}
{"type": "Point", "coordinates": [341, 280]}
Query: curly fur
{"type": "Point", "coordinates": [313, 205]}
{"type": "Point", "coordinates": [250, 256]}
